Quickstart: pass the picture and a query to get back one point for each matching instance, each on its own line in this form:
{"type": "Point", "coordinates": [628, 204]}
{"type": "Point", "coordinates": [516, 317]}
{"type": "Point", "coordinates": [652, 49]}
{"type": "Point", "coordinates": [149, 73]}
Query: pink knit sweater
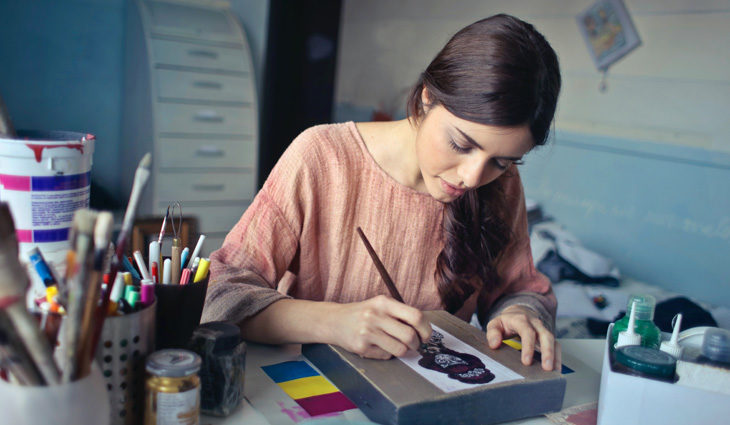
{"type": "Point", "coordinates": [298, 236]}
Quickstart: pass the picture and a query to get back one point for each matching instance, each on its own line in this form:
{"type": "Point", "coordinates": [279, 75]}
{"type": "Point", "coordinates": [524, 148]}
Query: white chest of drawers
{"type": "Point", "coordinates": [190, 99]}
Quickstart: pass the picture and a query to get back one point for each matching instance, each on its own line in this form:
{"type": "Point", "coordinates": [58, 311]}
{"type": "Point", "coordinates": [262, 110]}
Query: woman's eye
{"type": "Point", "coordinates": [501, 165]}
{"type": "Point", "coordinates": [457, 148]}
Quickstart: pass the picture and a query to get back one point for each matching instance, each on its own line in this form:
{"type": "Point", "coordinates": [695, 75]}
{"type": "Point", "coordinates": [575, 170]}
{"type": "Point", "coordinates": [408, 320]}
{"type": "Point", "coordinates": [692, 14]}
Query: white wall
{"type": "Point", "coordinates": [675, 88]}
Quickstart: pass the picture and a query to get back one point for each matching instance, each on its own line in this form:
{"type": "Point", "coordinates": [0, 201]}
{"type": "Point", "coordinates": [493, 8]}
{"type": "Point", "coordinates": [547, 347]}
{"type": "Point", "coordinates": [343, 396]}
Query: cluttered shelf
{"type": "Point", "coordinates": [591, 290]}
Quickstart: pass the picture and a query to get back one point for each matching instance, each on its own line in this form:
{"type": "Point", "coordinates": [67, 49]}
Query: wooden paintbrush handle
{"type": "Point", "coordinates": [381, 268]}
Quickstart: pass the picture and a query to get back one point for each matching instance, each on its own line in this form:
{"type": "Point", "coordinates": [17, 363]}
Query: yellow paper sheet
{"type": "Point", "coordinates": [308, 387]}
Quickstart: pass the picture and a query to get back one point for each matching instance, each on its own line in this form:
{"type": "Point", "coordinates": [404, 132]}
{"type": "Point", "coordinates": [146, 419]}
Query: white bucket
{"type": "Point", "coordinates": [82, 402]}
{"type": "Point", "coordinates": [45, 176]}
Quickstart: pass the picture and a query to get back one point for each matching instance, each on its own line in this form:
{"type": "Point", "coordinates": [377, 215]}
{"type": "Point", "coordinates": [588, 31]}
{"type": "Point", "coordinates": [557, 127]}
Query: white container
{"type": "Point", "coordinates": [82, 402]}
{"type": "Point", "coordinates": [633, 400]}
{"type": "Point", "coordinates": [45, 176]}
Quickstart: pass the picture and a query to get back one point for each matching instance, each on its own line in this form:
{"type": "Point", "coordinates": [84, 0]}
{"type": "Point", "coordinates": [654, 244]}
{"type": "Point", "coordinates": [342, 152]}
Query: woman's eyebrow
{"type": "Point", "coordinates": [473, 142]}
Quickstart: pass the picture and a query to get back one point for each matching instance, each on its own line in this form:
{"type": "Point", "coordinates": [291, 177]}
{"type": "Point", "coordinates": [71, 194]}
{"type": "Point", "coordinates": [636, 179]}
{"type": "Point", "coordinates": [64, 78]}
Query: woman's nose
{"type": "Point", "coordinates": [472, 172]}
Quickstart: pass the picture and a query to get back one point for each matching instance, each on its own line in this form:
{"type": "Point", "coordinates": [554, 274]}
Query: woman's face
{"type": "Point", "coordinates": [455, 155]}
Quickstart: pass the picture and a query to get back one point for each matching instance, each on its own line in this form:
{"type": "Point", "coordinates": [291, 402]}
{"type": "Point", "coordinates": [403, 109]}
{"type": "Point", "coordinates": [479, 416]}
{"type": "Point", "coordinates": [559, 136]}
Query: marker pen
{"type": "Point", "coordinates": [184, 257]}
{"type": "Point", "coordinates": [202, 271]}
{"type": "Point", "coordinates": [154, 257]}
{"type": "Point", "coordinates": [142, 268]}
{"type": "Point", "coordinates": [147, 293]}
{"type": "Point", "coordinates": [166, 271]}
{"type": "Point", "coordinates": [155, 273]}
{"type": "Point", "coordinates": [130, 268]}
{"type": "Point", "coordinates": [197, 249]}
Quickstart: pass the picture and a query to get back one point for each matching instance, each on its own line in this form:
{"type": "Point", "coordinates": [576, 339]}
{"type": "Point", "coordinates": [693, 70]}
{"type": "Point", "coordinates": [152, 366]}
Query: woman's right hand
{"type": "Point", "coordinates": [379, 327]}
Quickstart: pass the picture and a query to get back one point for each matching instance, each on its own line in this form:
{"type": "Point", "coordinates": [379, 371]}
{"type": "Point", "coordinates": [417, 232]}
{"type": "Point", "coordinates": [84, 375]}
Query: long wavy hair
{"type": "Point", "coordinates": [497, 71]}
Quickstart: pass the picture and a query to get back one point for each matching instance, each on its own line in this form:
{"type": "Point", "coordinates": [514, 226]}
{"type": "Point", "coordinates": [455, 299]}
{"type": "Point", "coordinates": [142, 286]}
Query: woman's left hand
{"type": "Point", "coordinates": [525, 322]}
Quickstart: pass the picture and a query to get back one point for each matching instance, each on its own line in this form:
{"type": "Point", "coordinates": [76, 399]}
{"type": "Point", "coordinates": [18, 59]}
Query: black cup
{"type": "Point", "coordinates": [179, 308]}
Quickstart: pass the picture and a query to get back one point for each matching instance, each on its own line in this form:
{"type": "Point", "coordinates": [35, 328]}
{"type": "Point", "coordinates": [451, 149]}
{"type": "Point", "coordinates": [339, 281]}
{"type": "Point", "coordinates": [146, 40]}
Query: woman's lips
{"type": "Point", "coordinates": [452, 190]}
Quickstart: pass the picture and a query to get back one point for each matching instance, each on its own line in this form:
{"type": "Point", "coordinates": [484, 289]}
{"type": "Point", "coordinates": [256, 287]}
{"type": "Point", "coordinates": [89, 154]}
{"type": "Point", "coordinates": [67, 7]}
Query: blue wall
{"type": "Point", "coordinates": [61, 69]}
{"type": "Point", "coordinates": [661, 211]}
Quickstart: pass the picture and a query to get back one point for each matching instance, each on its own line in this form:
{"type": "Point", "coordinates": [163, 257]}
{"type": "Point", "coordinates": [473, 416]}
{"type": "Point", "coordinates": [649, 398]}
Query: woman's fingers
{"type": "Point", "coordinates": [518, 320]}
{"type": "Point", "coordinates": [547, 344]}
{"type": "Point", "coordinates": [495, 333]}
{"type": "Point", "coordinates": [382, 327]}
{"type": "Point", "coordinates": [411, 316]}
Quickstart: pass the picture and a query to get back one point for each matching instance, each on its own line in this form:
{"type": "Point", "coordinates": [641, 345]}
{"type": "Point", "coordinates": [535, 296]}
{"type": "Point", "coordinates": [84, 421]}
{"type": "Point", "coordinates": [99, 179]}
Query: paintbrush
{"type": "Point", "coordinates": [78, 288]}
{"type": "Point", "coordinates": [102, 236]}
{"type": "Point", "coordinates": [13, 283]}
{"type": "Point", "coordinates": [14, 357]}
{"type": "Point", "coordinates": [6, 126]}
{"type": "Point", "coordinates": [140, 181]}
{"type": "Point", "coordinates": [386, 278]}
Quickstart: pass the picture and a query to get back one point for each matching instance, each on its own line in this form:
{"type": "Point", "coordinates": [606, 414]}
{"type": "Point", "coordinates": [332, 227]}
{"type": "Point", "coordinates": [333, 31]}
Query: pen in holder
{"type": "Point", "coordinates": [124, 344]}
{"type": "Point", "coordinates": [179, 308]}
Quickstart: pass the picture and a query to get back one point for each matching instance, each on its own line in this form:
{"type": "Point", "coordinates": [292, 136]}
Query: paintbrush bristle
{"type": "Point", "coordinates": [145, 162]}
{"type": "Point", "coordinates": [84, 221]}
{"type": "Point", "coordinates": [103, 230]}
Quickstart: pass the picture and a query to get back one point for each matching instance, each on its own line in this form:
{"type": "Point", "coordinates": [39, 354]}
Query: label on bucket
{"type": "Point", "coordinates": [52, 200]}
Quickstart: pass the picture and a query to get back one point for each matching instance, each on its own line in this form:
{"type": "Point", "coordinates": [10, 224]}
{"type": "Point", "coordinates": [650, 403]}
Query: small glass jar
{"type": "Point", "coordinates": [172, 388]}
{"type": "Point", "coordinates": [644, 326]}
{"type": "Point", "coordinates": [223, 364]}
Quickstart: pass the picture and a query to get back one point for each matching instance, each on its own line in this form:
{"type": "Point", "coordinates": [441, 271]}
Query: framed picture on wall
{"type": "Point", "coordinates": [608, 31]}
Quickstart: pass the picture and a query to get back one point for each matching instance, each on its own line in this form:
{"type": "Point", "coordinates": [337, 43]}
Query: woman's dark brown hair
{"type": "Point", "coordinates": [498, 71]}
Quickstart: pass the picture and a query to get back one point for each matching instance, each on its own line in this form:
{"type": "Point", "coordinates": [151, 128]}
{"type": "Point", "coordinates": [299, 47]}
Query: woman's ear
{"type": "Point", "coordinates": [425, 99]}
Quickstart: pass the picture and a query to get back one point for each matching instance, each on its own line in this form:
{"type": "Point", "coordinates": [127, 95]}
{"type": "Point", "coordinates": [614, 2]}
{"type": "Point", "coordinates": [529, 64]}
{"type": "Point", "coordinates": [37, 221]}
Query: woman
{"type": "Point", "coordinates": [438, 195]}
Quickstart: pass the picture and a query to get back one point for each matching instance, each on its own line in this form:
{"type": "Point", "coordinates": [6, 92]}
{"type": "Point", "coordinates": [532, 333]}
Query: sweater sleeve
{"type": "Point", "coordinates": [262, 246]}
{"type": "Point", "coordinates": [521, 283]}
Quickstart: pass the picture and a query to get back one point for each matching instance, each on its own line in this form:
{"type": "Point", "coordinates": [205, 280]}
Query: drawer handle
{"type": "Point", "coordinates": [208, 85]}
{"type": "Point", "coordinates": [203, 53]}
{"type": "Point", "coordinates": [208, 150]}
{"type": "Point", "coordinates": [208, 115]}
{"type": "Point", "coordinates": [209, 187]}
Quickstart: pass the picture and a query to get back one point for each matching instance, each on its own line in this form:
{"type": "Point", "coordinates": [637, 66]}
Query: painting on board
{"type": "Point", "coordinates": [608, 31]}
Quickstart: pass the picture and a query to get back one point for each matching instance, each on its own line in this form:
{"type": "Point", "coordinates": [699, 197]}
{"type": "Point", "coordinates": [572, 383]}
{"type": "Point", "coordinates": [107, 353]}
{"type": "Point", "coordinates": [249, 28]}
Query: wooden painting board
{"type": "Point", "coordinates": [390, 392]}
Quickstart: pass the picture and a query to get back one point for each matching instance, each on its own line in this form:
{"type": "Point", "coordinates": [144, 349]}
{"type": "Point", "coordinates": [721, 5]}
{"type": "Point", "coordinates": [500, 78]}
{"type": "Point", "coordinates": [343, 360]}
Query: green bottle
{"type": "Point", "coordinates": [651, 336]}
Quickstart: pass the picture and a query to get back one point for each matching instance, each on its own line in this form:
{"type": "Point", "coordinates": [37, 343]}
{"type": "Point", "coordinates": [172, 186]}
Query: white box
{"type": "Point", "coordinates": [633, 400]}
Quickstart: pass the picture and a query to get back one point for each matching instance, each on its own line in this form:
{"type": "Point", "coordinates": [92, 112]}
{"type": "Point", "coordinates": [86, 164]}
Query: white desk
{"type": "Point", "coordinates": [274, 407]}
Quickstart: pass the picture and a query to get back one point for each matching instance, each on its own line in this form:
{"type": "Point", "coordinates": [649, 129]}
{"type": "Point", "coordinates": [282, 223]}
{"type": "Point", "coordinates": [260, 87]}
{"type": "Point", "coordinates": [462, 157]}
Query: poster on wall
{"type": "Point", "coordinates": [608, 31]}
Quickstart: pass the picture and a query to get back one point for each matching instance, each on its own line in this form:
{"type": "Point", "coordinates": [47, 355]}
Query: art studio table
{"type": "Point", "coordinates": [267, 404]}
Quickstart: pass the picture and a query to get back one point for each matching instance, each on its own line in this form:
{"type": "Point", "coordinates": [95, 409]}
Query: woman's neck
{"type": "Point", "coordinates": [392, 145]}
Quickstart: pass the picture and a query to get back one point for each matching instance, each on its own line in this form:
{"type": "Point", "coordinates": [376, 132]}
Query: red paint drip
{"type": "Point", "coordinates": [38, 148]}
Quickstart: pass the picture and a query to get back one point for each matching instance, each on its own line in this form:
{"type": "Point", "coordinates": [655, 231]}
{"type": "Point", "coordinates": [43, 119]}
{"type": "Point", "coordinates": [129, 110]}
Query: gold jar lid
{"type": "Point", "coordinates": [173, 362]}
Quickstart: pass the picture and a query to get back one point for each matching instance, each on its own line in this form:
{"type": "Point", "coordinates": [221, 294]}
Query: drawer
{"type": "Point", "coordinates": [176, 118]}
{"type": "Point", "coordinates": [200, 86]}
{"type": "Point", "coordinates": [200, 56]}
{"type": "Point", "coordinates": [191, 20]}
{"type": "Point", "coordinates": [206, 153]}
{"type": "Point", "coordinates": [205, 187]}
{"type": "Point", "coordinates": [211, 219]}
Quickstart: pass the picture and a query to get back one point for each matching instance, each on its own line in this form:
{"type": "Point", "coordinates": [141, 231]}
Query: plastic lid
{"type": "Point", "coordinates": [672, 346]}
{"type": "Point", "coordinates": [649, 361]}
{"type": "Point", "coordinates": [673, 349]}
{"type": "Point", "coordinates": [226, 336]}
{"type": "Point", "coordinates": [644, 306]}
{"type": "Point", "coordinates": [173, 362]}
{"type": "Point", "coordinates": [716, 345]}
{"type": "Point", "coordinates": [629, 336]}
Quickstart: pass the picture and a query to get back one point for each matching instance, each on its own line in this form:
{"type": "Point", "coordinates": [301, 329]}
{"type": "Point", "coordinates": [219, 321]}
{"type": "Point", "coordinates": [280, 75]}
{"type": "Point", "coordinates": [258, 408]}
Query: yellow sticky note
{"type": "Point", "coordinates": [513, 343]}
{"type": "Point", "coordinates": [307, 387]}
